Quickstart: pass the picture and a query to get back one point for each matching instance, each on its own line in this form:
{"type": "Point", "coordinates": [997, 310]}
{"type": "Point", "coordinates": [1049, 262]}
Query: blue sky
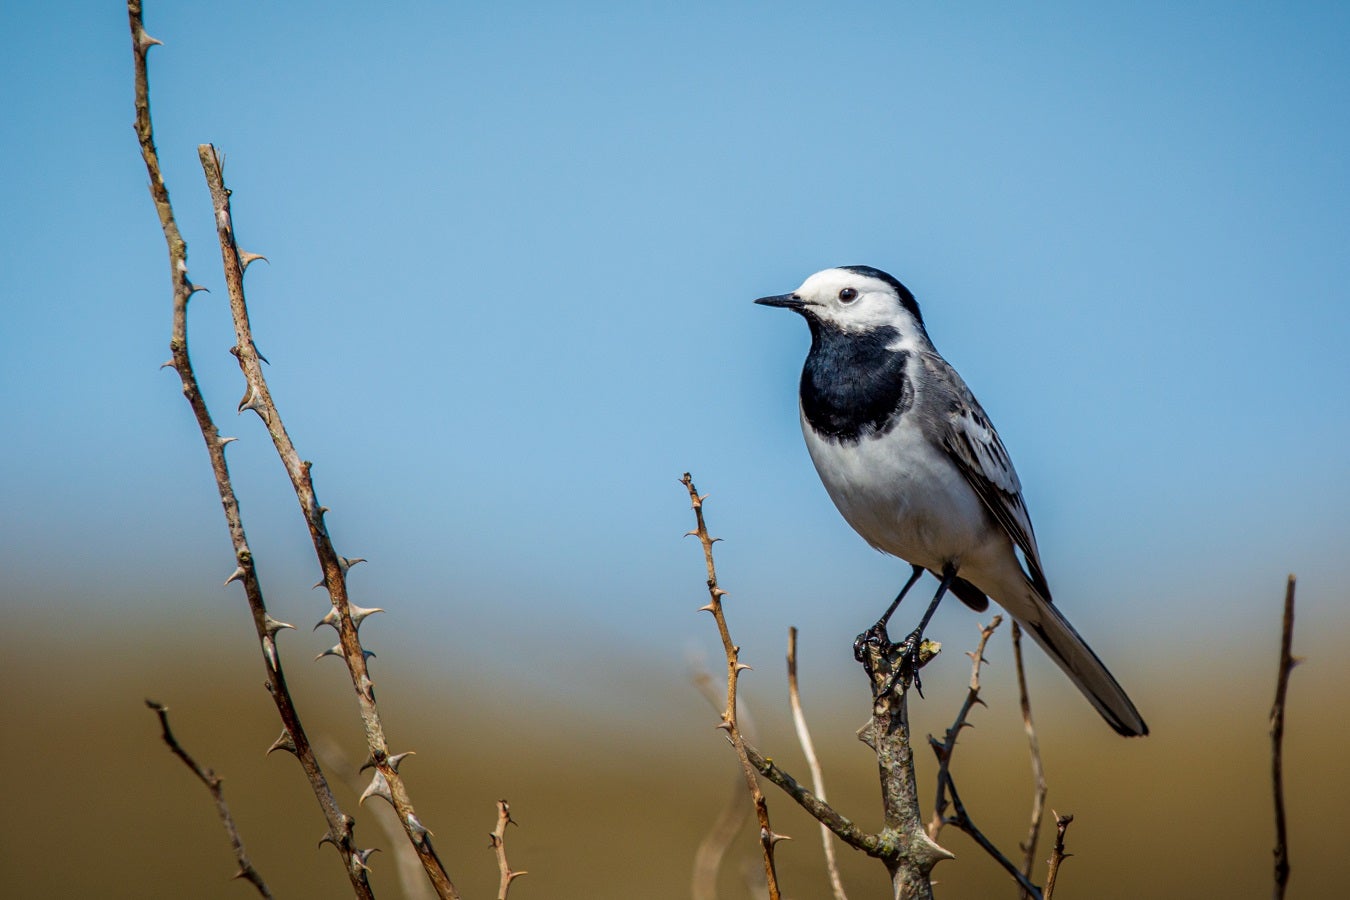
{"type": "Point", "coordinates": [512, 252]}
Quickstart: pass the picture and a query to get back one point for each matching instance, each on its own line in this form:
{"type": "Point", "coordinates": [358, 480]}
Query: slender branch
{"type": "Point", "coordinates": [345, 617]}
{"type": "Point", "coordinates": [945, 749]}
{"type": "Point", "coordinates": [1039, 788]}
{"type": "Point", "coordinates": [871, 844]}
{"type": "Point", "coordinates": [1287, 663]}
{"type": "Point", "coordinates": [294, 740]}
{"type": "Point", "coordinates": [213, 781]}
{"type": "Point", "coordinates": [1057, 854]}
{"type": "Point", "coordinates": [808, 748]}
{"type": "Point", "coordinates": [767, 837]}
{"type": "Point", "coordinates": [714, 846]}
{"type": "Point", "coordinates": [946, 785]}
{"type": "Point", "coordinates": [498, 839]}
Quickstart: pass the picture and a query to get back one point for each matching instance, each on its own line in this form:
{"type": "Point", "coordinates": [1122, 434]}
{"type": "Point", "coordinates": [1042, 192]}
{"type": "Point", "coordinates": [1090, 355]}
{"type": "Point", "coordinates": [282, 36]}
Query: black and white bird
{"type": "Point", "coordinates": [915, 466]}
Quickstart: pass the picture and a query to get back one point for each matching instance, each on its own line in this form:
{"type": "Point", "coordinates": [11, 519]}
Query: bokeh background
{"type": "Point", "coordinates": [512, 252]}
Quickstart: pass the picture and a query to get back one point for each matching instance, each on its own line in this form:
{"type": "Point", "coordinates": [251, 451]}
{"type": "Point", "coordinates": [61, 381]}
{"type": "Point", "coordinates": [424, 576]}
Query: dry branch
{"type": "Point", "coordinates": [293, 738]}
{"type": "Point", "coordinates": [903, 845]}
{"type": "Point", "coordinates": [212, 781]}
{"type": "Point", "coordinates": [498, 840]}
{"type": "Point", "coordinates": [812, 763]}
{"type": "Point", "coordinates": [1057, 854]}
{"type": "Point", "coordinates": [1038, 789]}
{"type": "Point", "coordinates": [1287, 663]}
{"type": "Point", "coordinates": [767, 837]}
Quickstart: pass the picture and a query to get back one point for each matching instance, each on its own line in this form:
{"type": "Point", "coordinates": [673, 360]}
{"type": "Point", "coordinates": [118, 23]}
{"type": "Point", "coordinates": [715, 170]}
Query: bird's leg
{"type": "Point", "coordinates": [876, 636]}
{"type": "Point", "coordinates": [909, 647]}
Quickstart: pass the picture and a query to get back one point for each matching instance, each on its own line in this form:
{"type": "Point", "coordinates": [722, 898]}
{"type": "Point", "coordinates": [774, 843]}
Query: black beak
{"type": "Point", "coordinates": [787, 301]}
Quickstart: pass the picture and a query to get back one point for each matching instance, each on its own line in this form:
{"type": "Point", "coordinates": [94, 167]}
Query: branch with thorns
{"type": "Point", "coordinates": [903, 845]}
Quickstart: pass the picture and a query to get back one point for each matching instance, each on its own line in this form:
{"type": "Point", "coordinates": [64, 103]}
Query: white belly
{"type": "Point", "coordinates": [904, 497]}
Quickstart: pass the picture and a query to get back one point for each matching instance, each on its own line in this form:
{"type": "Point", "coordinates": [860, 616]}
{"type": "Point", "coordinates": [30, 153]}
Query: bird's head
{"type": "Point", "coordinates": [856, 299]}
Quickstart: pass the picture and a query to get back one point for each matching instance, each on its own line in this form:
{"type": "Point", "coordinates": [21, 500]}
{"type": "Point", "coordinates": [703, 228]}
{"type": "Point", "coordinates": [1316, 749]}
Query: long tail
{"type": "Point", "coordinates": [1039, 617]}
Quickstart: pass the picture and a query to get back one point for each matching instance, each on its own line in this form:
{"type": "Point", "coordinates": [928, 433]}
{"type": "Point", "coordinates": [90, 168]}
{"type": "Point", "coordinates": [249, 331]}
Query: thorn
{"type": "Point", "coordinates": [270, 649]}
{"type": "Point", "coordinates": [145, 42]}
{"type": "Point", "coordinates": [378, 787]}
{"type": "Point", "coordinates": [718, 592]}
{"type": "Point", "coordinates": [323, 510]}
{"type": "Point", "coordinates": [359, 858]}
{"type": "Point", "coordinates": [724, 725]}
{"type": "Point", "coordinates": [368, 764]}
{"type": "Point", "coordinates": [194, 288]}
{"type": "Point", "coordinates": [417, 828]}
{"type": "Point", "coordinates": [328, 838]}
{"type": "Point", "coordinates": [344, 563]}
{"type": "Point", "coordinates": [272, 626]}
{"type": "Point", "coordinates": [169, 364]}
{"type": "Point", "coordinates": [236, 575]}
{"type": "Point", "coordinates": [250, 401]}
{"type": "Point", "coordinates": [358, 614]}
{"type": "Point", "coordinates": [317, 584]}
{"type": "Point", "coordinates": [367, 686]}
{"type": "Point", "coordinates": [246, 259]}
{"type": "Point", "coordinates": [285, 742]}
{"type": "Point", "coordinates": [775, 837]}
{"type": "Point", "coordinates": [335, 650]}
{"type": "Point", "coordinates": [225, 440]}
{"type": "Point", "coordinates": [707, 608]}
{"type": "Point", "coordinates": [741, 667]}
{"type": "Point", "coordinates": [693, 533]}
{"type": "Point", "coordinates": [397, 759]}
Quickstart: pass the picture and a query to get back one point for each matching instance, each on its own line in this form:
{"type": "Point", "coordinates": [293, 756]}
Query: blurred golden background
{"type": "Point", "coordinates": [614, 808]}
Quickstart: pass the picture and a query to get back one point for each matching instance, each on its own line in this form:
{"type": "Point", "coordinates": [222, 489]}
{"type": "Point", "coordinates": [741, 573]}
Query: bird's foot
{"type": "Point", "coordinates": [902, 661]}
{"type": "Point", "coordinates": [872, 642]}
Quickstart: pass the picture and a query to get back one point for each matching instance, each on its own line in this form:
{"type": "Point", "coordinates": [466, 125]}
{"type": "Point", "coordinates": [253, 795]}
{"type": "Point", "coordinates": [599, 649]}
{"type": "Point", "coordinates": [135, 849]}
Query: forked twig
{"type": "Point", "coordinates": [1287, 663]}
{"type": "Point", "coordinates": [946, 785]}
{"type": "Point", "coordinates": [498, 839]}
{"type": "Point", "coordinates": [767, 837]}
{"type": "Point", "coordinates": [212, 781]}
{"type": "Point", "coordinates": [808, 748]}
{"type": "Point", "coordinates": [293, 738]}
{"type": "Point", "coordinates": [1057, 854]}
{"type": "Point", "coordinates": [1039, 788]}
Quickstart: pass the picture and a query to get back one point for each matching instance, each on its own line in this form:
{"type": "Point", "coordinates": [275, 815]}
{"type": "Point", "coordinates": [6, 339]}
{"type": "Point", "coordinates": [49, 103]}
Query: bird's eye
{"type": "Point", "coordinates": [848, 295]}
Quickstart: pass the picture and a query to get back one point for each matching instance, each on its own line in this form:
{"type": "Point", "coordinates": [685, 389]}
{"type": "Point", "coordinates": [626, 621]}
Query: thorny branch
{"type": "Point", "coordinates": [212, 782]}
{"type": "Point", "coordinates": [767, 837]}
{"type": "Point", "coordinates": [1057, 854]}
{"type": "Point", "coordinates": [1039, 788]}
{"type": "Point", "coordinates": [344, 616]}
{"type": "Point", "coordinates": [293, 738]}
{"type": "Point", "coordinates": [1287, 663]}
{"type": "Point", "coordinates": [903, 846]}
{"type": "Point", "coordinates": [812, 763]}
{"type": "Point", "coordinates": [498, 839]}
{"type": "Point", "coordinates": [946, 786]}
{"type": "Point", "coordinates": [714, 846]}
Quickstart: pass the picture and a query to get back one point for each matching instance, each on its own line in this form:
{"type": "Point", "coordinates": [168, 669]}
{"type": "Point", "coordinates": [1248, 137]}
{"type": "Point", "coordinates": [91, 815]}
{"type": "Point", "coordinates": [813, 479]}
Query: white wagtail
{"type": "Point", "coordinates": [916, 467]}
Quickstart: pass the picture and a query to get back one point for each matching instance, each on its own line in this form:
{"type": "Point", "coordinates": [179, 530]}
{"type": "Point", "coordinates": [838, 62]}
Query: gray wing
{"type": "Point", "coordinates": [969, 438]}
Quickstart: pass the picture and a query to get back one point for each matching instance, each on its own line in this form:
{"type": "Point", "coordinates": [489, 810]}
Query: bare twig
{"type": "Point", "coordinates": [345, 617]}
{"type": "Point", "coordinates": [907, 851]}
{"type": "Point", "coordinates": [1057, 855]}
{"type": "Point", "coordinates": [498, 840]}
{"type": "Point", "coordinates": [1039, 788]}
{"type": "Point", "coordinates": [714, 846]}
{"type": "Point", "coordinates": [944, 749]}
{"type": "Point", "coordinates": [808, 748]}
{"type": "Point", "coordinates": [767, 837]}
{"type": "Point", "coordinates": [212, 781]}
{"type": "Point", "coordinates": [293, 738]}
{"type": "Point", "coordinates": [946, 785]}
{"type": "Point", "coordinates": [1287, 663]}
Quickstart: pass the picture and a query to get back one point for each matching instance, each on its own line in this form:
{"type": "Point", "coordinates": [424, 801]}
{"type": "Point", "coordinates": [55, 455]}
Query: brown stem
{"type": "Point", "coordinates": [213, 782]}
{"type": "Point", "coordinates": [767, 837]}
{"type": "Point", "coordinates": [339, 824]}
{"type": "Point", "coordinates": [1039, 788]}
{"type": "Point", "coordinates": [498, 839]}
{"type": "Point", "coordinates": [386, 782]}
{"type": "Point", "coordinates": [812, 763]}
{"type": "Point", "coordinates": [1057, 854]}
{"type": "Point", "coordinates": [1287, 663]}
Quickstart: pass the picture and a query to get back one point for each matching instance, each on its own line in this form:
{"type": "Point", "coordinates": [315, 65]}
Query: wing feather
{"type": "Point", "coordinates": [971, 441]}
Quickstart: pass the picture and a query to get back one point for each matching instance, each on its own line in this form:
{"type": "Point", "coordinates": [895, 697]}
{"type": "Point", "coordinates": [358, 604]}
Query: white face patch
{"type": "Point", "coordinates": [874, 306]}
